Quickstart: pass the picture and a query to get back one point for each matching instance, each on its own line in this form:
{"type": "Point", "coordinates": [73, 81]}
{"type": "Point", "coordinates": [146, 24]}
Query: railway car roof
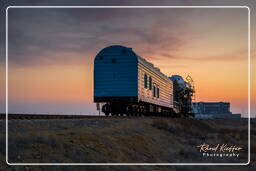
{"type": "Point", "coordinates": [114, 48]}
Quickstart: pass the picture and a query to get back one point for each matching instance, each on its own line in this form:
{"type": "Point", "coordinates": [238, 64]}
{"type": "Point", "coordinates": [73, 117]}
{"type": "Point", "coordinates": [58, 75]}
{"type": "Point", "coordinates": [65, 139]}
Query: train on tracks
{"type": "Point", "coordinates": [127, 84]}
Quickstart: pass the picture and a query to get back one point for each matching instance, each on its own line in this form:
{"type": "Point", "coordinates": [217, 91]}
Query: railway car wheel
{"type": "Point", "coordinates": [136, 111]}
{"type": "Point", "coordinates": [144, 111]}
{"type": "Point", "coordinates": [129, 110]}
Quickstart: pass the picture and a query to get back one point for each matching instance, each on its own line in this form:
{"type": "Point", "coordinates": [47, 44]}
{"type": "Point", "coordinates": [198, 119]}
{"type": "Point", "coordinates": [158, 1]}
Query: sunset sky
{"type": "Point", "coordinates": [51, 53]}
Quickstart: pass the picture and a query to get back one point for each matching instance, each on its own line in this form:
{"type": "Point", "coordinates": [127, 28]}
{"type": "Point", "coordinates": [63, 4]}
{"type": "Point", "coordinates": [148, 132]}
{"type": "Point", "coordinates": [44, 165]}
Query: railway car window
{"type": "Point", "coordinates": [150, 83]}
{"type": "Point", "coordinates": [113, 60]}
{"type": "Point", "coordinates": [123, 51]}
{"type": "Point", "coordinates": [145, 81]}
{"type": "Point", "coordinates": [154, 91]}
{"type": "Point", "coordinates": [101, 57]}
{"type": "Point", "coordinates": [157, 92]}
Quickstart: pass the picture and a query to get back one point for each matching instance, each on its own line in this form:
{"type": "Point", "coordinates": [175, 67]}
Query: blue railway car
{"type": "Point", "coordinates": [115, 75]}
{"type": "Point", "coordinates": [128, 84]}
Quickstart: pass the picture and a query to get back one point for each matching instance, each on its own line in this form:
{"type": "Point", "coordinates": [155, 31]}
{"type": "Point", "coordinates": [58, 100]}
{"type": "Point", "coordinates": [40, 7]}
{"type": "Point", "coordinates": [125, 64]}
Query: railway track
{"type": "Point", "coordinates": [54, 116]}
{"type": "Point", "coordinates": [58, 116]}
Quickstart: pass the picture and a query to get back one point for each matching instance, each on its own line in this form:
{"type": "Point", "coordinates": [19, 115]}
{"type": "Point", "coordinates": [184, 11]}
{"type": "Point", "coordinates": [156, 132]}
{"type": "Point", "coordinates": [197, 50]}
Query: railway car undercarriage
{"type": "Point", "coordinates": [136, 109]}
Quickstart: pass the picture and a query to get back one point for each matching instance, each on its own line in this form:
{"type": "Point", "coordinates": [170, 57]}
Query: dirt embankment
{"type": "Point", "coordinates": [123, 140]}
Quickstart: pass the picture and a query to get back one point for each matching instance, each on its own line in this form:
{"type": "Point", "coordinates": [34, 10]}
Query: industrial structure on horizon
{"type": "Point", "coordinates": [213, 110]}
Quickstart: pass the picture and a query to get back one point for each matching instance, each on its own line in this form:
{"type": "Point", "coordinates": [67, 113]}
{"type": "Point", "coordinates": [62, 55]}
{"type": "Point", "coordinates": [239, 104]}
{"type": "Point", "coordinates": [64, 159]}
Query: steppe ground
{"type": "Point", "coordinates": [123, 140]}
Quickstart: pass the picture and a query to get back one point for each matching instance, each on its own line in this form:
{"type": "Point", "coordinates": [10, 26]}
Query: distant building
{"type": "Point", "coordinates": [212, 107]}
{"type": "Point", "coordinates": [213, 110]}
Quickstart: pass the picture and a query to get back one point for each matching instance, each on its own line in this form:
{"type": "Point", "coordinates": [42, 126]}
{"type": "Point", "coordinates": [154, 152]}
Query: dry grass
{"type": "Point", "coordinates": [160, 124]}
{"type": "Point", "coordinates": [121, 140]}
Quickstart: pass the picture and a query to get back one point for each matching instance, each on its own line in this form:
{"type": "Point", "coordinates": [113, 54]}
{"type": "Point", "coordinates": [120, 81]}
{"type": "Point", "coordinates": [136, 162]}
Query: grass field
{"type": "Point", "coordinates": [119, 140]}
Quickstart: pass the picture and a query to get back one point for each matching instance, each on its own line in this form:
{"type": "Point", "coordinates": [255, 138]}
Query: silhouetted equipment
{"type": "Point", "coordinates": [98, 107]}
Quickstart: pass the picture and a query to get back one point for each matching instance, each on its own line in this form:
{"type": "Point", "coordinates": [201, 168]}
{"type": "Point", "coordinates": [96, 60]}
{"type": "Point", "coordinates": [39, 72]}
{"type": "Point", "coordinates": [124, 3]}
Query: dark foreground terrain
{"type": "Point", "coordinates": [123, 140]}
